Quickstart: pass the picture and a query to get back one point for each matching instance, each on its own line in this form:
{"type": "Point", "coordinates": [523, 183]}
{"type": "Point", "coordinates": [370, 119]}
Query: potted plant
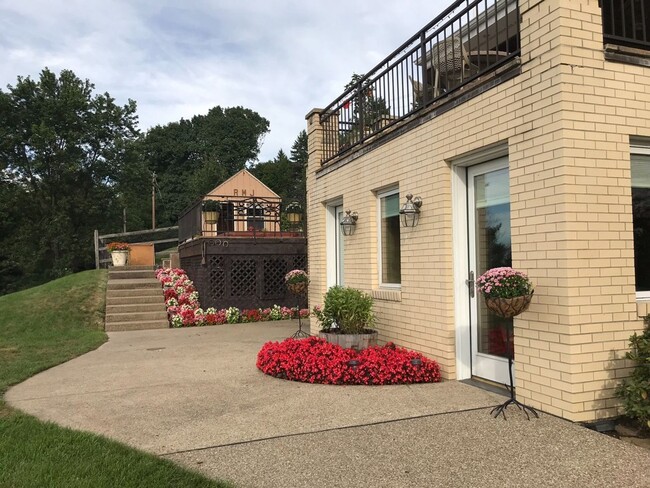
{"type": "Point", "coordinates": [507, 291]}
{"type": "Point", "coordinates": [297, 281]}
{"type": "Point", "coordinates": [211, 210]}
{"type": "Point", "coordinates": [119, 252]}
{"type": "Point", "coordinates": [346, 318]}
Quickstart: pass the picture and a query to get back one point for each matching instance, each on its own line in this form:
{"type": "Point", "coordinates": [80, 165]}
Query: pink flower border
{"type": "Point", "coordinates": [184, 309]}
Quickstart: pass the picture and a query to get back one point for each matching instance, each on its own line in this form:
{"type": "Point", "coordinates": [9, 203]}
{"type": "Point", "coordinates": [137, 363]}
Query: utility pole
{"type": "Point", "coordinates": [153, 201]}
{"type": "Point", "coordinates": [124, 219]}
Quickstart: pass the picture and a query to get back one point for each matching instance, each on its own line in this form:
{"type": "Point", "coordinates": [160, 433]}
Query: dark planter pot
{"type": "Point", "coordinates": [508, 307]}
{"type": "Point", "coordinates": [351, 341]}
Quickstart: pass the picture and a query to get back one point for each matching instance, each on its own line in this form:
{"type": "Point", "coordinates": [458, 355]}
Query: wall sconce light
{"type": "Point", "coordinates": [349, 223]}
{"type": "Point", "coordinates": [410, 211]}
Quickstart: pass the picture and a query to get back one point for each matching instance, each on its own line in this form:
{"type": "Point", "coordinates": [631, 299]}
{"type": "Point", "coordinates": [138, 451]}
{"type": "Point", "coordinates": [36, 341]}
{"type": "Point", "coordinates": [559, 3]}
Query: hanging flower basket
{"type": "Point", "coordinates": [298, 288]}
{"type": "Point", "coordinates": [508, 307]}
{"type": "Point", "coordinates": [297, 281]}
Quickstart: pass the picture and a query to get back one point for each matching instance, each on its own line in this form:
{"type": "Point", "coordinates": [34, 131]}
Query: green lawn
{"type": "Point", "coordinates": [40, 328]}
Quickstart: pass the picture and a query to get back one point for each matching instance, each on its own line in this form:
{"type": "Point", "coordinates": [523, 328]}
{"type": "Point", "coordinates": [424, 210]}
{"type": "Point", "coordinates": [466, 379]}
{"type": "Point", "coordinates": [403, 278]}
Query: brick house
{"type": "Point", "coordinates": [524, 127]}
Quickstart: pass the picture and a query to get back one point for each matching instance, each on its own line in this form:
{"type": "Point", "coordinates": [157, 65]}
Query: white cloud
{"type": "Point", "coordinates": [280, 57]}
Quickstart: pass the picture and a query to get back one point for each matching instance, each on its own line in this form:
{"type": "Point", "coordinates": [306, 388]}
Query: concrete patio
{"type": "Point", "coordinates": [195, 397]}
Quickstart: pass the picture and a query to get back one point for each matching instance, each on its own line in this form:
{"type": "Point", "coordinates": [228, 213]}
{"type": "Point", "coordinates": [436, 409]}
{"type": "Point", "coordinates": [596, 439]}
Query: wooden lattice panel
{"type": "Point", "coordinates": [300, 262]}
{"type": "Point", "coordinates": [274, 272]}
{"type": "Point", "coordinates": [242, 276]}
{"type": "Point", "coordinates": [217, 277]}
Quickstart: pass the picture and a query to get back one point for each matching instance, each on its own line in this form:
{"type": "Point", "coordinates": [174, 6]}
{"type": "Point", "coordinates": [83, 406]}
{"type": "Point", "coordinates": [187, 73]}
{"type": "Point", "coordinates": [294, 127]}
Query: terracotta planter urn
{"type": "Point", "coordinates": [119, 258]}
{"type": "Point", "coordinates": [351, 341]}
{"type": "Point", "coordinates": [508, 307]}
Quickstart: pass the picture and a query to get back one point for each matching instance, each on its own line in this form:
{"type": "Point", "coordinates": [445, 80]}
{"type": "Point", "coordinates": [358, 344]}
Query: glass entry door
{"type": "Point", "coordinates": [488, 203]}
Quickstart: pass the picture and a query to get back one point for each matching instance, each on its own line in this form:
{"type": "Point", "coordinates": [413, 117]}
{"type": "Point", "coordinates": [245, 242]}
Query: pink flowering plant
{"type": "Point", "coordinates": [184, 309]}
{"type": "Point", "coordinates": [504, 283]}
{"type": "Point", "coordinates": [296, 276]}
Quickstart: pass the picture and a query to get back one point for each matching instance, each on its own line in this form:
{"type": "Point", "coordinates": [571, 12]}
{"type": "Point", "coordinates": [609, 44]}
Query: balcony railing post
{"type": "Point", "coordinates": [360, 104]}
{"type": "Point", "coordinates": [423, 57]}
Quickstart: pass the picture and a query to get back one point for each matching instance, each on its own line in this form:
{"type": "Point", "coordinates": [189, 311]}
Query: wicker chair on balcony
{"type": "Point", "coordinates": [449, 61]}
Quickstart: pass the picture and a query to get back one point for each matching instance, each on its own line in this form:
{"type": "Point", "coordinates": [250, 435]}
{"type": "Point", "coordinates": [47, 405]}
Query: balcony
{"type": "Point", "coordinates": [454, 53]}
{"type": "Point", "coordinates": [239, 254]}
{"type": "Point", "coordinates": [238, 217]}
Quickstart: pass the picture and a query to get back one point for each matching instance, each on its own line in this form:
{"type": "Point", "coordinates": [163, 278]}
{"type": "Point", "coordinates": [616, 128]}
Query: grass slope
{"type": "Point", "coordinates": [40, 328]}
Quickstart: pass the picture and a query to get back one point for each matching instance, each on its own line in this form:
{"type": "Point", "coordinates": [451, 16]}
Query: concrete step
{"type": "Point", "coordinates": [134, 297]}
{"type": "Point", "coordinates": [131, 268]}
{"type": "Point", "coordinates": [136, 316]}
{"type": "Point", "coordinates": [131, 274]}
{"type": "Point", "coordinates": [138, 283]}
{"type": "Point", "coordinates": [134, 306]}
{"type": "Point", "coordinates": [149, 324]}
{"type": "Point", "coordinates": [134, 292]}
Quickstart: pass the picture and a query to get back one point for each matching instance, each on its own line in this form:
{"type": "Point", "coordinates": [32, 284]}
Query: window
{"type": "Point", "coordinates": [255, 217]}
{"type": "Point", "coordinates": [641, 218]}
{"type": "Point", "coordinates": [389, 243]}
{"type": "Point", "coordinates": [626, 23]}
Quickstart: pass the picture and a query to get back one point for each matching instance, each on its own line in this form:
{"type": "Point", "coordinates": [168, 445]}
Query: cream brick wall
{"type": "Point", "coordinates": [567, 120]}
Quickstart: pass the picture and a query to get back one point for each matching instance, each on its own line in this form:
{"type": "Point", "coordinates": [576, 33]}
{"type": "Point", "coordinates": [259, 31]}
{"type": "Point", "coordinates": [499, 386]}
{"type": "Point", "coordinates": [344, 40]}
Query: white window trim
{"type": "Point", "coordinates": [643, 149]}
{"type": "Point", "coordinates": [382, 194]}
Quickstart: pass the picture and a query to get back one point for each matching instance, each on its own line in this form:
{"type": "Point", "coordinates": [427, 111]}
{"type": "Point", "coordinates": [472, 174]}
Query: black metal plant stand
{"type": "Point", "coordinates": [501, 409]}
{"type": "Point", "coordinates": [299, 334]}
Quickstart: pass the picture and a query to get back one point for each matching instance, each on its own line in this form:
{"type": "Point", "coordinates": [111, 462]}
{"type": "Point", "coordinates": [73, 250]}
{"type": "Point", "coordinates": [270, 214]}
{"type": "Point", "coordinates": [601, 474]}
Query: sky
{"type": "Point", "coordinates": [177, 59]}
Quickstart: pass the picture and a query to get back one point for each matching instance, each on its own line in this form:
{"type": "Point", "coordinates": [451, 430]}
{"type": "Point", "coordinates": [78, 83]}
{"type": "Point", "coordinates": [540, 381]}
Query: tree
{"type": "Point", "coordinates": [367, 108]}
{"type": "Point", "coordinates": [299, 160]}
{"type": "Point", "coordinates": [61, 150]}
{"type": "Point", "coordinates": [276, 174]}
{"type": "Point", "coordinates": [191, 157]}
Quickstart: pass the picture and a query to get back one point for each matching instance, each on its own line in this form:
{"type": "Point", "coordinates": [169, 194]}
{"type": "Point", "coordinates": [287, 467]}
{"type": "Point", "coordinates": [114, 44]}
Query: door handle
{"type": "Point", "coordinates": [470, 284]}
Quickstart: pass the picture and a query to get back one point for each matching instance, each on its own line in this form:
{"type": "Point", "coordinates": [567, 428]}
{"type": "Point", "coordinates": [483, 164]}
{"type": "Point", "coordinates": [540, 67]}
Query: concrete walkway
{"type": "Point", "coordinates": [195, 397]}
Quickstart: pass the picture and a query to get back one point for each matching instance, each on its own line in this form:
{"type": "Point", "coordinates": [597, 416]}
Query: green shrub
{"type": "Point", "coordinates": [635, 390]}
{"type": "Point", "coordinates": [348, 309]}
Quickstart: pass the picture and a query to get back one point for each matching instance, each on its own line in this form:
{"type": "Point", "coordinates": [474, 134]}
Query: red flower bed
{"type": "Point", "coordinates": [315, 360]}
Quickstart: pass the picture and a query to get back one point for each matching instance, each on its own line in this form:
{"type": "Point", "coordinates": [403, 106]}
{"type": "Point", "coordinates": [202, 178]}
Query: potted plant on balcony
{"type": "Point", "coordinates": [211, 210]}
{"type": "Point", "coordinates": [119, 252]}
{"type": "Point", "coordinates": [346, 318]}
{"type": "Point", "coordinates": [507, 291]}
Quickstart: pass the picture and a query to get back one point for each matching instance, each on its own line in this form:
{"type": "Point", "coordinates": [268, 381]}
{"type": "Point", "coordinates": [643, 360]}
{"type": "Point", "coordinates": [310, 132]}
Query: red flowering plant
{"type": "Point", "coordinates": [117, 246]}
{"type": "Point", "coordinates": [315, 360]}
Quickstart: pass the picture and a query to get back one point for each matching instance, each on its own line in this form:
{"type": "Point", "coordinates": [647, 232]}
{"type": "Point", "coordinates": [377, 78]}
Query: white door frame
{"type": "Point", "coordinates": [460, 238]}
{"type": "Point", "coordinates": [331, 242]}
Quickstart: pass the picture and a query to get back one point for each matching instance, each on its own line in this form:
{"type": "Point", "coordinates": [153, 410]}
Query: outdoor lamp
{"type": "Point", "coordinates": [349, 222]}
{"type": "Point", "coordinates": [410, 211]}
{"type": "Point", "coordinates": [294, 214]}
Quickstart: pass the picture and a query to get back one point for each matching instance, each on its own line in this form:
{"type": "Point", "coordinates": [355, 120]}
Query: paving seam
{"type": "Point", "coordinates": [64, 395]}
{"type": "Point", "coordinates": [323, 431]}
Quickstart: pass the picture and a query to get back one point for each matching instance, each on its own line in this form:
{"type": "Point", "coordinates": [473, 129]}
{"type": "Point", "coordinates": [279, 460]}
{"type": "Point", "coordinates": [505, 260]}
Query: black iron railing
{"type": "Point", "coordinates": [238, 217]}
{"type": "Point", "coordinates": [626, 22]}
{"type": "Point", "coordinates": [467, 40]}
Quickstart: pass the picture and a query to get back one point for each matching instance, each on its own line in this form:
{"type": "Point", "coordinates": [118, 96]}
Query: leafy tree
{"type": "Point", "coordinates": [61, 150]}
{"type": "Point", "coordinates": [191, 157]}
{"type": "Point", "coordinates": [277, 175]}
{"type": "Point", "coordinates": [299, 159]}
{"type": "Point", "coordinates": [367, 109]}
